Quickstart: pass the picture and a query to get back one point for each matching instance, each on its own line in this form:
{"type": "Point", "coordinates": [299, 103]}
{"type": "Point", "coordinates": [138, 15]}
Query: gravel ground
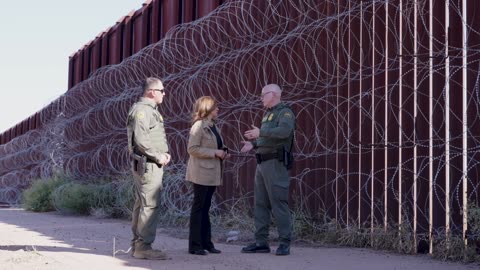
{"type": "Point", "coordinates": [52, 241]}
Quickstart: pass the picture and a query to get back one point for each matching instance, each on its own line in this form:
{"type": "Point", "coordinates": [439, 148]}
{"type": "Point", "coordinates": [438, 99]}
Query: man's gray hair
{"type": "Point", "coordinates": [147, 84]}
{"type": "Point", "coordinates": [273, 87]}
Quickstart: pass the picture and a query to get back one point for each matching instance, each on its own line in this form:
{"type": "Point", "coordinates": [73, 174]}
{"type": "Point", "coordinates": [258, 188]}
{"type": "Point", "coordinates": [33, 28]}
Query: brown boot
{"type": "Point", "coordinates": [132, 250]}
{"type": "Point", "coordinates": [150, 254]}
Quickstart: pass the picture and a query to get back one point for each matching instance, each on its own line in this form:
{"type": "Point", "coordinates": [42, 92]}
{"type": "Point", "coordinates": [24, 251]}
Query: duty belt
{"type": "Point", "coordinates": [149, 160]}
{"type": "Point", "coordinates": [264, 157]}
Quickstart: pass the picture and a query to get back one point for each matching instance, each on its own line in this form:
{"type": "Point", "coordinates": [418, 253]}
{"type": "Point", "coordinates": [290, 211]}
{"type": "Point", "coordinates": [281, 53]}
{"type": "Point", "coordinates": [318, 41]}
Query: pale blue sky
{"type": "Point", "coordinates": [36, 39]}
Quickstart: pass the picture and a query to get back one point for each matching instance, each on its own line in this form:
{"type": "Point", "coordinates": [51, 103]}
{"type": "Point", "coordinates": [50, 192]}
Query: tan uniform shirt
{"type": "Point", "coordinates": [146, 131]}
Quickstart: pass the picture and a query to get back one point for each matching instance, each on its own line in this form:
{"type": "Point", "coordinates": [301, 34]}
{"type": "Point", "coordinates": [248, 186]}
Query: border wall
{"type": "Point", "coordinates": [386, 94]}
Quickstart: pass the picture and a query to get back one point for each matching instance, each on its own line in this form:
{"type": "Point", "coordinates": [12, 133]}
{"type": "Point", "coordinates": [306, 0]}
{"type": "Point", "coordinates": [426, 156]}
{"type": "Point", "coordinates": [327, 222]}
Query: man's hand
{"type": "Point", "coordinates": [169, 158]}
{"type": "Point", "coordinates": [247, 146]}
{"type": "Point", "coordinates": [165, 159]}
{"type": "Point", "coordinates": [253, 133]}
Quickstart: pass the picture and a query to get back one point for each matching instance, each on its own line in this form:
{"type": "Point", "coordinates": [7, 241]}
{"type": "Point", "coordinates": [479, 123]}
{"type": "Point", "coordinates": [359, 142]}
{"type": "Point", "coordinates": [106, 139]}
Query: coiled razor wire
{"type": "Point", "coordinates": [231, 54]}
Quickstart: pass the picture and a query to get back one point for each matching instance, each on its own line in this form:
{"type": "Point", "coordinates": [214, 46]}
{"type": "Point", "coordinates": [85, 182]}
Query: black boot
{"type": "Point", "coordinates": [254, 248]}
{"type": "Point", "coordinates": [283, 250]}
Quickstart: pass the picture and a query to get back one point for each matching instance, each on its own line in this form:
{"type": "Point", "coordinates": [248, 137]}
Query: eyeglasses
{"type": "Point", "coordinates": [159, 90]}
{"type": "Point", "coordinates": [266, 93]}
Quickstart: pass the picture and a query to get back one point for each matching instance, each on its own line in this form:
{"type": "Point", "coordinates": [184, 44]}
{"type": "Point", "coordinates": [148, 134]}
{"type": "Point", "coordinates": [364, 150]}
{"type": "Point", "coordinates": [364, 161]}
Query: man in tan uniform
{"type": "Point", "coordinates": [147, 144]}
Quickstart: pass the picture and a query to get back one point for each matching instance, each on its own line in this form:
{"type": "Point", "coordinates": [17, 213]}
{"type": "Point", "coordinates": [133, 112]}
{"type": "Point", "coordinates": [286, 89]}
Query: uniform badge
{"type": "Point", "coordinates": [140, 115]}
{"type": "Point", "coordinates": [270, 117]}
{"type": "Point", "coordinates": [288, 115]}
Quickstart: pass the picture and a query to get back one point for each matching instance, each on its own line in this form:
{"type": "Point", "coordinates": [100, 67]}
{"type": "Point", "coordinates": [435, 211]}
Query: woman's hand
{"type": "Point", "coordinates": [220, 154]}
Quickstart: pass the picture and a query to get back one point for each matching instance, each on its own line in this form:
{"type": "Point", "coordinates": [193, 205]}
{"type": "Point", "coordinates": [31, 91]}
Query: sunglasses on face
{"type": "Point", "coordinates": [159, 90]}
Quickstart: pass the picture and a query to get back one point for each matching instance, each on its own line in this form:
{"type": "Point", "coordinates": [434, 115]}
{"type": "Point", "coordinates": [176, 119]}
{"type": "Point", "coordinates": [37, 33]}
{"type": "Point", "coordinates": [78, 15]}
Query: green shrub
{"type": "Point", "coordinates": [38, 197]}
{"type": "Point", "coordinates": [124, 198]}
{"type": "Point", "coordinates": [73, 198]}
{"type": "Point", "coordinates": [114, 199]}
{"type": "Point", "coordinates": [103, 200]}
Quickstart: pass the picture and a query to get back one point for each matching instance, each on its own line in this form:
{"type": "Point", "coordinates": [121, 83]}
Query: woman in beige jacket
{"type": "Point", "coordinates": [204, 170]}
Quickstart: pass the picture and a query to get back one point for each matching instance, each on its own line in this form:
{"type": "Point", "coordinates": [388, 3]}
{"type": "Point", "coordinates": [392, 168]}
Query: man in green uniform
{"type": "Point", "coordinates": [147, 144]}
{"type": "Point", "coordinates": [273, 144]}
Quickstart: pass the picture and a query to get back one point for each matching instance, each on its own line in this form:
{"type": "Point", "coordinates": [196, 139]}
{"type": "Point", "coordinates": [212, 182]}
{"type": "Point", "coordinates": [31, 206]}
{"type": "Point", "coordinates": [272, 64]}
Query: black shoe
{"type": "Point", "coordinates": [199, 252]}
{"type": "Point", "coordinates": [254, 248]}
{"type": "Point", "coordinates": [282, 250]}
{"type": "Point", "coordinates": [214, 250]}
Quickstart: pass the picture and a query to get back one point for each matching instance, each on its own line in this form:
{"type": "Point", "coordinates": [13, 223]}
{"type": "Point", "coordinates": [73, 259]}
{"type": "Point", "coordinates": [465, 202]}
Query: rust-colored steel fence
{"type": "Point", "coordinates": [386, 95]}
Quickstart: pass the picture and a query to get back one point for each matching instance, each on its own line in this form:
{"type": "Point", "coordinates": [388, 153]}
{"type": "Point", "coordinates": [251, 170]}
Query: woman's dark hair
{"type": "Point", "coordinates": [202, 108]}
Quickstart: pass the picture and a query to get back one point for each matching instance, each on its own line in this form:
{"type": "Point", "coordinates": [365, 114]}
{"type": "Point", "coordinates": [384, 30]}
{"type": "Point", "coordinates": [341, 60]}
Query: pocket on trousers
{"type": "Point", "coordinates": [147, 177]}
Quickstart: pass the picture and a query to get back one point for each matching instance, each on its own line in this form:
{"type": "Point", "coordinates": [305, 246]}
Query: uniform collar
{"type": "Point", "coordinates": [148, 101]}
{"type": "Point", "coordinates": [276, 107]}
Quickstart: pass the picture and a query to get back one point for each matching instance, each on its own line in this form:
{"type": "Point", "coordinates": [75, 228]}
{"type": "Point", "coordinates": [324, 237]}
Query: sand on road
{"type": "Point", "coordinates": [52, 241]}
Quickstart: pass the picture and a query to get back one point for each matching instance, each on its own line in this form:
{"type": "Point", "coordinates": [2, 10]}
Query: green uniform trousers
{"type": "Point", "coordinates": [145, 210]}
{"type": "Point", "coordinates": [272, 184]}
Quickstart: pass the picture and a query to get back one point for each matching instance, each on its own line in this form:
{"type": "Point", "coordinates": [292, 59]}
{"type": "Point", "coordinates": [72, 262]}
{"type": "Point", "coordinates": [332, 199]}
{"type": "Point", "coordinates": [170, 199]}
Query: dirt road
{"type": "Point", "coordinates": [52, 241]}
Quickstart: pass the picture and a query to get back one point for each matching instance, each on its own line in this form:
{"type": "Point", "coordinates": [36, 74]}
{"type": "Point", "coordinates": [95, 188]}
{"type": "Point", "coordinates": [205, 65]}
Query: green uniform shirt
{"type": "Point", "coordinates": [145, 130]}
{"type": "Point", "coordinates": [278, 126]}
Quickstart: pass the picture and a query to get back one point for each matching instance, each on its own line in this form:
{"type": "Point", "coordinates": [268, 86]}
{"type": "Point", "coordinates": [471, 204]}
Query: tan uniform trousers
{"type": "Point", "coordinates": [146, 208]}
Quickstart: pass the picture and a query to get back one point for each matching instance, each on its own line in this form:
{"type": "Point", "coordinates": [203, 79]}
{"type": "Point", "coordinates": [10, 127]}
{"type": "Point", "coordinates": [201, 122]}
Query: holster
{"type": "Point", "coordinates": [286, 157]}
{"type": "Point", "coordinates": [139, 163]}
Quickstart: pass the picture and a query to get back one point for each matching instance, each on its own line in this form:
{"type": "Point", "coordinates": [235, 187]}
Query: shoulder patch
{"type": "Point", "coordinates": [140, 115]}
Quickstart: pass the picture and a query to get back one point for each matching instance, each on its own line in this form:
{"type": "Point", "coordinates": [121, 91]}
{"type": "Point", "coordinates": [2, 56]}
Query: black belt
{"type": "Point", "coordinates": [264, 157]}
{"type": "Point", "coordinates": [149, 160]}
